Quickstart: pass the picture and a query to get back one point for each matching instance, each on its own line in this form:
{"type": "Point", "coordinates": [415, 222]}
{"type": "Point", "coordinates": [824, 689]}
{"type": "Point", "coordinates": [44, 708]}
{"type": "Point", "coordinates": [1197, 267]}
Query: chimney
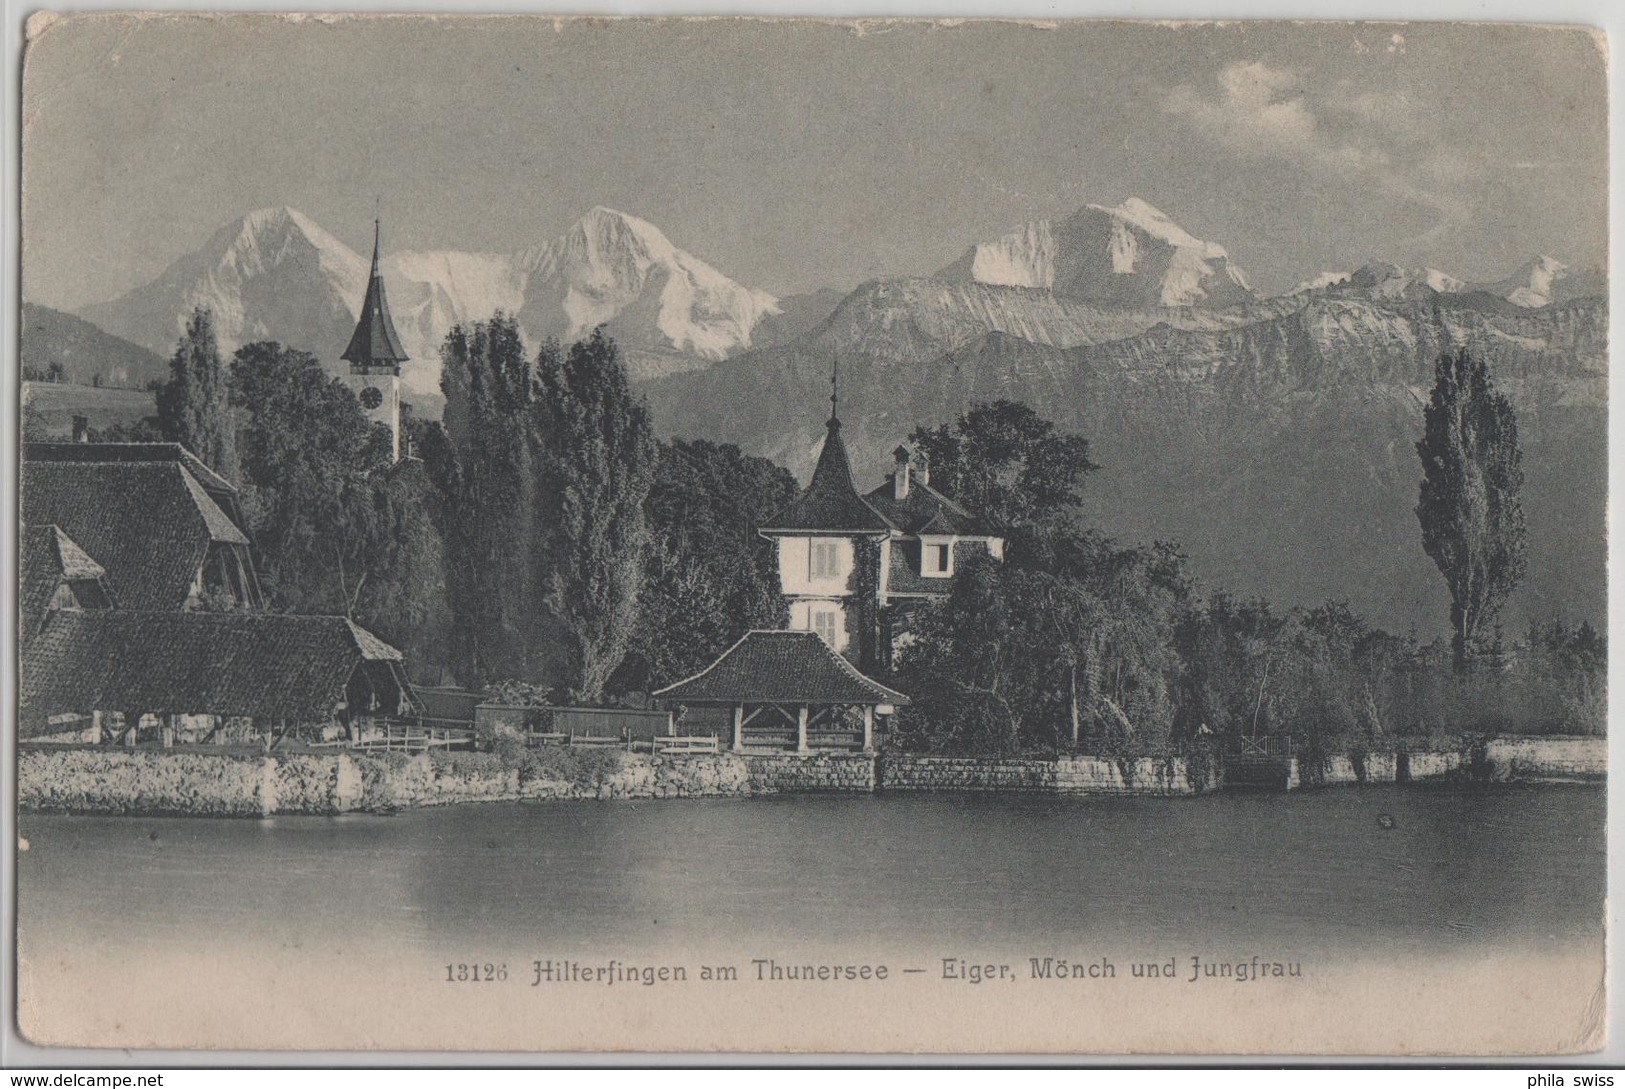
{"type": "Point", "coordinates": [922, 466]}
{"type": "Point", "coordinates": [900, 477]}
{"type": "Point", "coordinates": [81, 429]}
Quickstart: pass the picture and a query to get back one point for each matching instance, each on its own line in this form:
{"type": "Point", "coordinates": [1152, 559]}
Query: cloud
{"type": "Point", "coordinates": [1372, 139]}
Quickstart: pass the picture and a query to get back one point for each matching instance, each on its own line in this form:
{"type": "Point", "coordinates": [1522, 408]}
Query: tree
{"type": "Point", "coordinates": [596, 458]}
{"type": "Point", "coordinates": [1469, 508]}
{"type": "Point", "coordinates": [710, 577]}
{"type": "Point", "coordinates": [1069, 642]}
{"type": "Point", "coordinates": [306, 478]}
{"type": "Point", "coordinates": [482, 463]}
{"type": "Point", "coordinates": [194, 406]}
{"type": "Point", "coordinates": [1008, 463]}
{"type": "Point", "coordinates": [401, 584]}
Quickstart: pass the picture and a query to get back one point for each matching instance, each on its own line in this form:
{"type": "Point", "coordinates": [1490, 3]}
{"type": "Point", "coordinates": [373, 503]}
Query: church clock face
{"type": "Point", "coordinates": [371, 398]}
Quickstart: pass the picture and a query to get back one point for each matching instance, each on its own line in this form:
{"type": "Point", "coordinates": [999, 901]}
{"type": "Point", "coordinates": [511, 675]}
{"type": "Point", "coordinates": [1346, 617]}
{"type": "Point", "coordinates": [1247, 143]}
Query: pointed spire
{"type": "Point", "coordinates": [834, 393]}
{"type": "Point", "coordinates": [375, 344]}
{"type": "Point", "coordinates": [830, 503]}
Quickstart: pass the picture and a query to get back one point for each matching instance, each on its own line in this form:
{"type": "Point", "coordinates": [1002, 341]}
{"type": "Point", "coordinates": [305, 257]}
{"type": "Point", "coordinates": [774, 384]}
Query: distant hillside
{"type": "Point", "coordinates": [49, 408]}
{"type": "Point", "coordinates": [84, 351]}
{"type": "Point", "coordinates": [1274, 441]}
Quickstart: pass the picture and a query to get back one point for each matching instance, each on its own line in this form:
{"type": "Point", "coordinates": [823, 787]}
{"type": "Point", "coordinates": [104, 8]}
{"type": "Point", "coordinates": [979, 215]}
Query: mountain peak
{"type": "Point", "coordinates": [1157, 223]}
{"type": "Point", "coordinates": [1133, 255]}
{"type": "Point", "coordinates": [1540, 281]}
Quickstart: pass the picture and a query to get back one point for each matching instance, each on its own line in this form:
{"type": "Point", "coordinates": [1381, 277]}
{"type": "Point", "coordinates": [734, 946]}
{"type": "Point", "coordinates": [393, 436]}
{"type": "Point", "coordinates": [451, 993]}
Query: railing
{"type": "Point", "coordinates": [677, 746]}
{"type": "Point", "coordinates": [406, 735]}
{"type": "Point", "coordinates": [1269, 746]}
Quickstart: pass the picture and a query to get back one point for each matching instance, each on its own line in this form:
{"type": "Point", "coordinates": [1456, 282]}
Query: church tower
{"type": "Point", "coordinates": [375, 357]}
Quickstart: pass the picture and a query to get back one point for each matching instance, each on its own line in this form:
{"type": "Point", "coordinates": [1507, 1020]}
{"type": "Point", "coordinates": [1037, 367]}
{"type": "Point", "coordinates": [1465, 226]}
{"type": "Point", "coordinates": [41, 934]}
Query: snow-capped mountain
{"type": "Point", "coordinates": [272, 274]}
{"type": "Point", "coordinates": [1132, 255]}
{"type": "Point", "coordinates": [1538, 282]}
{"type": "Point", "coordinates": [276, 274]}
{"type": "Point", "coordinates": [1543, 280]}
{"type": "Point", "coordinates": [1320, 282]}
{"type": "Point", "coordinates": [1382, 280]}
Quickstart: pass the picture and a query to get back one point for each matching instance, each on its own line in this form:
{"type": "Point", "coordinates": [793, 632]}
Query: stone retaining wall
{"type": "Point", "coordinates": [1069, 775]}
{"type": "Point", "coordinates": [84, 780]}
{"type": "Point", "coordinates": [1560, 758]}
{"type": "Point", "coordinates": [1504, 759]}
{"type": "Point", "coordinates": [824, 773]}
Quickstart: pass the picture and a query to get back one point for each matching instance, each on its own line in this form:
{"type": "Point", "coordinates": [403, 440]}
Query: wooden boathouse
{"type": "Point", "coordinates": [788, 690]}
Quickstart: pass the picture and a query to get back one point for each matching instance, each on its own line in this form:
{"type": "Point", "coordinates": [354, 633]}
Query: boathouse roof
{"type": "Point", "coordinates": [792, 667]}
{"type": "Point", "coordinates": [264, 665]}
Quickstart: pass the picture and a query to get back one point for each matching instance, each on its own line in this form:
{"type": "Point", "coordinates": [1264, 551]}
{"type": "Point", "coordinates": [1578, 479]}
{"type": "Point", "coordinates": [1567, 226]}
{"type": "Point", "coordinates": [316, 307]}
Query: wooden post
{"type": "Point", "coordinates": [868, 728]}
{"type": "Point", "coordinates": [97, 733]}
{"type": "Point", "coordinates": [801, 730]}
{"type": "Point", "coordinates": [167, 731]}
{"type": "Point", "coordinates": [739, 727]}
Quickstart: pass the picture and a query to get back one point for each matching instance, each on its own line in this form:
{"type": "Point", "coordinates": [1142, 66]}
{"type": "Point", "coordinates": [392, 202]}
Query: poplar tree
{"type": "Point", "coordinates": [1469, 508]}
{"type": "Point", "coordinates": [194, 405]}
{"type": "Point", "coordinates": [596, 458]}
{"type": "Point", "coordinates": [483, 468]}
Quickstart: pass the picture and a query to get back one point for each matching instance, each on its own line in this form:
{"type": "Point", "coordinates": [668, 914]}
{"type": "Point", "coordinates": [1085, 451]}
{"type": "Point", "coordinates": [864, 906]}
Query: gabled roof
{"type": "Point", "coordinates": [142, 514]}
{"type": "Point", "coordinates": [831, 503]}
{"type": "Point", "coordinates": [260, 664]}
{"type": "Point", "coordinates": [129, 452]}
{"type": "Point", "coordinates": [375, 342]}
{"type": "Point", "coordinates": [795, 667]}
{"type": "Point", "coordinates": [926, 510]}
{"type": "Point", "coordinates": [48, 558]}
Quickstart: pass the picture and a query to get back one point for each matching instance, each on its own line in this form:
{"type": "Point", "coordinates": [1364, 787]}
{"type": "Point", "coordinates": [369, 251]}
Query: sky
{"type": "Point", "coordinates": [798, 155]}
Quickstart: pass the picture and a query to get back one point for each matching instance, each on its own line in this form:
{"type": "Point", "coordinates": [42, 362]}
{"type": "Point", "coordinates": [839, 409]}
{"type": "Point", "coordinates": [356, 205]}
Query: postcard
{"type": "Point", "coordinates": [797, 536]}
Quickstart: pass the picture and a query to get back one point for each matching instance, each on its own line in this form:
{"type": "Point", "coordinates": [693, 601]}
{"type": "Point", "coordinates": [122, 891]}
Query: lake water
{"type": "Point", "coordinates": [1314, 872]}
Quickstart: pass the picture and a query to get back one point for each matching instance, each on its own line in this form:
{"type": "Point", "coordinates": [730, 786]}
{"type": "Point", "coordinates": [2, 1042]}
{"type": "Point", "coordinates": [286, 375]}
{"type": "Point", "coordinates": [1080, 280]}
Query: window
{"type": "Point", "coordinates": [936, 559]}
{"type": "Point", "coordinates": [826, 622]}
{"type": "Point", "coordinates": [826, 561]}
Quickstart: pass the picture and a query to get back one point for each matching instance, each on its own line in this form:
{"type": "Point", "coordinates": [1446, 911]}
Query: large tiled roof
{"type": "Point", "coordinates": [926, 510]}
{"type": "Point", "coordinates": [830, 503]}
{"type": "Point", "coordinates": [130, 452]}
{"type": "Point", "coordinates": [143, 515]}
{"type": "Point", "coordinates": [260, 664]}
{"type": "Point", "coordinates": [795, 667]}
{"type": "Point", "coordinates": [48, 557]}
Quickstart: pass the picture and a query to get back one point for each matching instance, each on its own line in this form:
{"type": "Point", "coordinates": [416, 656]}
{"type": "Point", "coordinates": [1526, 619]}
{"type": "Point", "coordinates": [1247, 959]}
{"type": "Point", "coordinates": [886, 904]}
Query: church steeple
{"type": "Point", "coordinates": [375, 356]}
{"type": "Point", "coordinates": [375, 347]}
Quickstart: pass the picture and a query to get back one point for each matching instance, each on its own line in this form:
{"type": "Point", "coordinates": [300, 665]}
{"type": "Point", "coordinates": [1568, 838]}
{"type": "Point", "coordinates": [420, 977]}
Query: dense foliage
{"type": "Point", "coordinates": [710, 577]}
{"type": "Point", "coordinates": [481, 461]}
{"type": "Point", "coordinates": [1008, 463]}
{"type": "Point", "coordinates": [547, 547]}
{"type": "Point", "coordinates": [194, 406]}
{"type": "Point", "coordinates": [1069, 642]}
{"type": "Point", "coordinates": [1470, 506]}
{"type": "Point", "coordinates": [595, 453]}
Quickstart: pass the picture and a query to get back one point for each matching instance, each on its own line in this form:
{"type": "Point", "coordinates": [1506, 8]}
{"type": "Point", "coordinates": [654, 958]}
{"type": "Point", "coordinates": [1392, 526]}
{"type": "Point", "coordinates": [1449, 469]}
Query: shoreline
{"type": "Point", "coordinates": [177, 782]}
